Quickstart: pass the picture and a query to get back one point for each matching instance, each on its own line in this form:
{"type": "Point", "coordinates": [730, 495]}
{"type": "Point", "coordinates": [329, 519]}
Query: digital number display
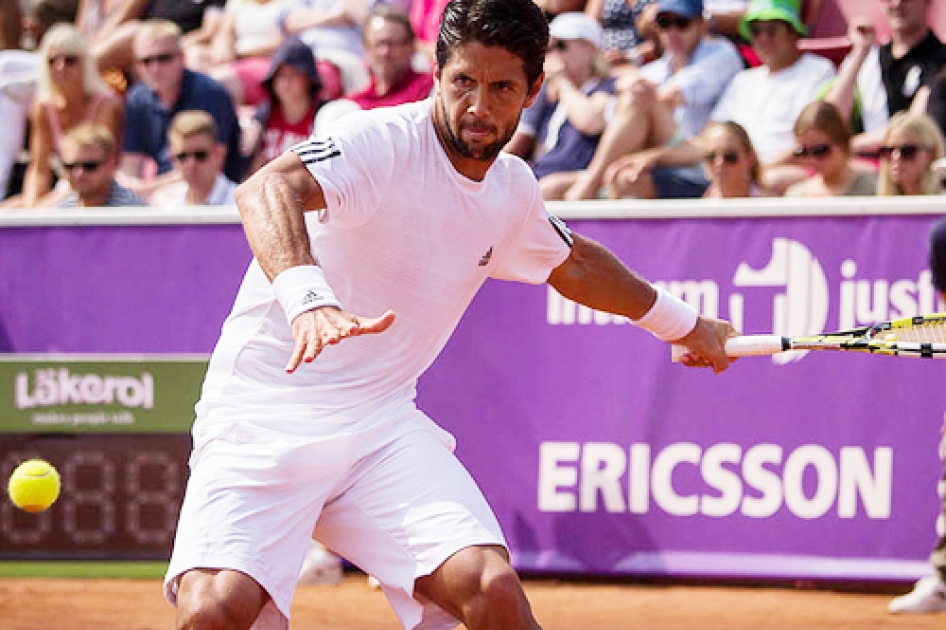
{"type": "Point", "coordinates": [120, 497]}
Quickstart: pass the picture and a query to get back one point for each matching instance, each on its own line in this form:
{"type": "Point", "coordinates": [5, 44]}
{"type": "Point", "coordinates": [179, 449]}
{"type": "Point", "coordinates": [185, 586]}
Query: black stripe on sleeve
{"type": "Point", "coordinates": [562, 230]}
{"type": "Point", "coordinates": [312, 151]}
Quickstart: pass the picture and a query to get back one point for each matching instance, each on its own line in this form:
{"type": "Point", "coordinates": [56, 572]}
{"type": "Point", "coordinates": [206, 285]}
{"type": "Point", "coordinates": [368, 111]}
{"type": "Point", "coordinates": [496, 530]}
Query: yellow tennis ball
{"type": "Point", "coordinates": [34, 486]}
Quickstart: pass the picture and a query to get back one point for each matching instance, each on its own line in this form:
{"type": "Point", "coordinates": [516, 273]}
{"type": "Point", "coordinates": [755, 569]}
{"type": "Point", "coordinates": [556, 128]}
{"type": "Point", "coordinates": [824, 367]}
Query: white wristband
{"type": "Point", "coordinates": [301, 289]}
{"type": "Point", "coordinates": [670, 318]}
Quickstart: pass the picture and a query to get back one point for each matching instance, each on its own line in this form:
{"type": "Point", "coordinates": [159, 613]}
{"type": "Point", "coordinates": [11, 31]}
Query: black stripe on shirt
{"type": "Point", "coordinates": [313, 151]}
{"type": "Point", "coordinates": [562, 230]}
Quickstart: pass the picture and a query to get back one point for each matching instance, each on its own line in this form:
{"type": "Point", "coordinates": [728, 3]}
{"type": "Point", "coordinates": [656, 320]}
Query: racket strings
{"type": "Point", "coordinates": [931, 331]}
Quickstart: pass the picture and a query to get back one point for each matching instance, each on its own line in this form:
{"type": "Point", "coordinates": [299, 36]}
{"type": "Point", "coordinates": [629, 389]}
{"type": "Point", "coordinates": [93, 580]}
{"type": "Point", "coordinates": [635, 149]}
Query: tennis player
{"type": "Point", "coordinates": [307, 421]}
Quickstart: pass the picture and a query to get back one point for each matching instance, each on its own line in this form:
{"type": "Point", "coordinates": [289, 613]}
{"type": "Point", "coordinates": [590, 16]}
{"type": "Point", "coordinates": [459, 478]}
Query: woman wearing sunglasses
{"type": "Point", "coordinates": [730, 162]}
{"type": "Point", "coordinates": [70, 92]}
{"type": "Point", "coordinates": [823, 144]}
{"type": "Point", "coordinates": [912, 143]}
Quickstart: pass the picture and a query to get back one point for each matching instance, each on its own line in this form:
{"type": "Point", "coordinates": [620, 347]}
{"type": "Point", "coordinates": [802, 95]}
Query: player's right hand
{"type": "Point", "coordinates": [315, 329]}
{"type": "Point", "coordinates": [707, 344]}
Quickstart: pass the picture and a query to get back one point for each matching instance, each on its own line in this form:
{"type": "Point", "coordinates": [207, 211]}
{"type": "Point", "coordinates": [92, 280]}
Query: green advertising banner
{"type": "Point", "coordinates": [99, 394]}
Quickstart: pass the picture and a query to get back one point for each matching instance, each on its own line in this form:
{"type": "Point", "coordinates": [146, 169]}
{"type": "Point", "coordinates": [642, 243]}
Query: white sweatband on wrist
{"type": "Point", "coordinates": [670, 318]}
{"type": "Point", "coordinates": [301, 289]}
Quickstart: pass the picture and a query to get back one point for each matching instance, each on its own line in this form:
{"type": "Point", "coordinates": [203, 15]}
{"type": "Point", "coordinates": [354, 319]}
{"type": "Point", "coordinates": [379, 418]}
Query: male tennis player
{"type": "Point", "coordinates": [414, 207]}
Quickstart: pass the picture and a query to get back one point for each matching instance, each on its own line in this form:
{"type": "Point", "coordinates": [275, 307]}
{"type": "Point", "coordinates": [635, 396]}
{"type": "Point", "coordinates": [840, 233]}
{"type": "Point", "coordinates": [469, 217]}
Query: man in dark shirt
{"type": "Point", "coordinates": [167, 88]}
{"type": "Point", "coordinates": [905, 73]}
{"type": "Point", "coordinates": [891, 77]}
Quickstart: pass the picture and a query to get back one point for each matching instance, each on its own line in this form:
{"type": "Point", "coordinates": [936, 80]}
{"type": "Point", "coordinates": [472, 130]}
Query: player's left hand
{"type": "Point", "coordinates": [315, 329]}
{"type": "Point", "coordinates": [706, 344]}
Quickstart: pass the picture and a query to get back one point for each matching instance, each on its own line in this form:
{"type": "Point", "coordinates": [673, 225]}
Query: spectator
{"type": "Point", "coordinates": [329, 25]}
{"type": "Point", "coordinates": [936, 107]}
{"type": "Point", "coordinates": [237, 54]}
{"type": "Point", "coordinates": [628, 30]}
{"type": "Point", "coordinates": [390, 45]}
{"type": "Point", "coordinates": [111, 27]}
{"type": "Point", "coordinates": [730, 162]}
{"type": "Point", "coordinates": [577, 84]}
{"type": "Point", "coordinates": [911, 145]}
{"type": "Point", "coordinates": [425, 18]}
{"type": "Point", "coordinates": [18, 73]}
{"type": "Point", "coordinates": [167, 88]}
{"type": "Point", "coordinates": [198, 158]}
{"type": "Point", "coordinates": [286, 118]}
{"type": "Point", "coordinates": [889, 78]}
{"type": "Point", "coordinates": [89, 158]}
{"type": "Point", "coordinates": [668, 101]}
{"type": "Point", "coordinates": [553, 8]}
{"type": "Point", "coordinates": [767, 100]}
{"type": "Point", "coordinates": [69, 92]}
{"type": "Point", "coordinates": [824, 144]}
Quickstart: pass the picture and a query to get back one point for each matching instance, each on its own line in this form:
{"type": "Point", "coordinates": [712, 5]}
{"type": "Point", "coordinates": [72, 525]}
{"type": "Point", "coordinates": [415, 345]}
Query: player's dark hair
{"type": "Point", "coordinates": [518, 26]}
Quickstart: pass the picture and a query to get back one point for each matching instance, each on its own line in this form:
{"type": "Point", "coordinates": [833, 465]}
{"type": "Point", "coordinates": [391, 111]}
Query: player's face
{"type": "Point", "coordinates": [480, 94]}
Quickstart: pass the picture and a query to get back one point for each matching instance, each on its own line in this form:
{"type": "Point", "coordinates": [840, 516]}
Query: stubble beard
{"type": "Point", "coordinates": [487, 153]}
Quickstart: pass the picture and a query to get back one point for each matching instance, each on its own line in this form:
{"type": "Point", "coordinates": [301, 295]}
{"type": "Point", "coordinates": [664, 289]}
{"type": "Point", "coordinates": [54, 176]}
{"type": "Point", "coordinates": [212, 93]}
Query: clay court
{"type": "Point", "coordinates": [90, 604]}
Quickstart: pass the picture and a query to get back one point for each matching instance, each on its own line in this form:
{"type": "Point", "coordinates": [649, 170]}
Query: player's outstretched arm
{"type": "Point", "coordinates": [272, 204]}
{"type": "Point", "coordinates": [593, 276]}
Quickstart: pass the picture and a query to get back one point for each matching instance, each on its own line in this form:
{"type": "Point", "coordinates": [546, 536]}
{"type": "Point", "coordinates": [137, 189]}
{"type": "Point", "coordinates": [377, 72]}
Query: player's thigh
{"type": "Point", "coordinates": [410, 506]}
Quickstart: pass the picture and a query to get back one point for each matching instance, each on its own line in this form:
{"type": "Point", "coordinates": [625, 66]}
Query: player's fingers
{"type": "Point", "coordinates": [376, 324]}
{"type": "Point", "coordinates": [296, 358]}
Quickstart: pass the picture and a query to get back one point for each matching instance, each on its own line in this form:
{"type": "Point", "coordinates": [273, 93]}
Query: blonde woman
{"type": "Point", "coordinates": [912, 143]}
{"type": "Point", "coordinates": [69, 92]}
{"type": "Point", "coordinates": [730, 162]}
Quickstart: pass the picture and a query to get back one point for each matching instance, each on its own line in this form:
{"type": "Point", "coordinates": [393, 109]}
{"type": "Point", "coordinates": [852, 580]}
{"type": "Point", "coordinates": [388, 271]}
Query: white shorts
{"type": "Point", "coordinates": [393, 500]}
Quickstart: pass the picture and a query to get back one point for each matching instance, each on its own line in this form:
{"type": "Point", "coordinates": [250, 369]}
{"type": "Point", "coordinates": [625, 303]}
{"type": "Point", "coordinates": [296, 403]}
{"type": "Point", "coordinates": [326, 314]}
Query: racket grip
{"type": "Point", "coordinates": [744, 346]}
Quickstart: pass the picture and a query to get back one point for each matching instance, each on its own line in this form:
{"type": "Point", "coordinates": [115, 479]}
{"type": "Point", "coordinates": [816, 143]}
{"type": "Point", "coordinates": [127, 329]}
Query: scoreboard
{"type": "Point", "coordinates": [118, 430]}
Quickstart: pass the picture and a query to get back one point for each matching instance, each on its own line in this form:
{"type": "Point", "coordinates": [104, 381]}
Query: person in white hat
{"type": "Point", "coordinates": [562, 129]}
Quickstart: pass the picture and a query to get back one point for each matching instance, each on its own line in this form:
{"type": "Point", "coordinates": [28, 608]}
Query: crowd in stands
{"type": "Point", "coordinates": [172, 102]}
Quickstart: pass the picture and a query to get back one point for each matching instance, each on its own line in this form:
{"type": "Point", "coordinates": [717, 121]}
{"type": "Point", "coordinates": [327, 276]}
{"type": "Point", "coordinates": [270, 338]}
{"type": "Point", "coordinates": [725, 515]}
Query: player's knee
{"type": "Point", "coordinates": [501, 599]}
{"type": "Point", "coordinates": [206, 607]}
{"type": "Point", "coordinates": [201, 615]}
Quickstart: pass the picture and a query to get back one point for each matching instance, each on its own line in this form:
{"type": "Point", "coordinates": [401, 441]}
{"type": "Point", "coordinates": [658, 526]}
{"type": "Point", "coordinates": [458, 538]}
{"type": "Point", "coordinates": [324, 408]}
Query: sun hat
{"type": "Point", "coordinates": [781, 10]}
{"type": "Point", "coordinates": [683, 8]}
{"type": "Point", "coordinates": [576, 25]}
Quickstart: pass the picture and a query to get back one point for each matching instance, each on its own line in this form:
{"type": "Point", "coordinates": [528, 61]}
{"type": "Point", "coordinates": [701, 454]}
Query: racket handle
{"type": "Point", "coordinates": [744, 346]}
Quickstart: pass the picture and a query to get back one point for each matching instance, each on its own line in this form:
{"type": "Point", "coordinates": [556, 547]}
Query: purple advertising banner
{"type": "Point", "coordinates": [598, 454]}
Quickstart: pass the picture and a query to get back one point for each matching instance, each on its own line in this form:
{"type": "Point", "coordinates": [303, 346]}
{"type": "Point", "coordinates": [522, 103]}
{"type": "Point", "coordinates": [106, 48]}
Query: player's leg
{"type": "Point", "coordinates": [411, 516]}
{"type": "Point", "coordinates": [209, 598]}
{"type": "Point", "coordinates": [245, 525]}
{"type": "Point", "coordinates": [478, 586]}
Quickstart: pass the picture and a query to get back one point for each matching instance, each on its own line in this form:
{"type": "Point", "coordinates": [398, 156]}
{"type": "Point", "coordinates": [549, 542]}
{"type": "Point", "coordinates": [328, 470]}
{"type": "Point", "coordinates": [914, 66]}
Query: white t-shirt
{"type": "Point", "coordinates": [403, 230]}
{"type": "Point", "coordinates": [173, 196]}
{"type": "Point", "coordinates": [767, 104]}
{"type": "Point", "coordinates": [873, 94]}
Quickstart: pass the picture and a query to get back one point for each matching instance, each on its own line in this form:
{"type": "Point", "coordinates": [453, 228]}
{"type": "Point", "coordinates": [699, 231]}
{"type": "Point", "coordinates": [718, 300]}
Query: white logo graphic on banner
{"type": "Point", "coordinates": [797, 285]}
{"type": "Point", "coordinates": [802, 308]}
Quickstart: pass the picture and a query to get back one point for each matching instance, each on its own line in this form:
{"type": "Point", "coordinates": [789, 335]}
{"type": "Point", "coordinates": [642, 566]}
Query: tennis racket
{"type": "Point", "coordinates": [921, 336]}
